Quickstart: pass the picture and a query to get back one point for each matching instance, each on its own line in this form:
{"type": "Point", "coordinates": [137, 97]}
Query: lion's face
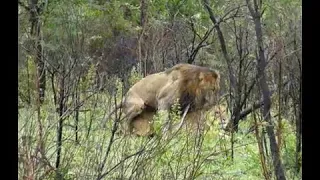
{"type": "Point", "coordinates": [209, 81]}
{"type": "Point", "coordinates": [209, 85]}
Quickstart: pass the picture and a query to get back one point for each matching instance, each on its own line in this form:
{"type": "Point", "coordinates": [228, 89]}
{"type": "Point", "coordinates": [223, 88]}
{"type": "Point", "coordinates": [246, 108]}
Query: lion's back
{"type": "Point", "coordinates": [148, 87]}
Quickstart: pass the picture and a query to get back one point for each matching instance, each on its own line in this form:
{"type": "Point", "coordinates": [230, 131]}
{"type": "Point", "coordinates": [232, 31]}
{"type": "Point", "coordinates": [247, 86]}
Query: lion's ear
{"type": "Point", "coordinates": [216, 74]}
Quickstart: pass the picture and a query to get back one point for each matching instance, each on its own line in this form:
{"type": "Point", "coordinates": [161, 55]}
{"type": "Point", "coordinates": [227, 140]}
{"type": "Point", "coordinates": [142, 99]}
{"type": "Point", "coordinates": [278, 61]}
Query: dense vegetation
{"type": "Point", "coordinates": [77, 58]}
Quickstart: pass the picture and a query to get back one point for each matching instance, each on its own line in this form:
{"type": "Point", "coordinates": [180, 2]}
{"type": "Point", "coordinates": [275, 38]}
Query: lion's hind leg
{"type": "Point", "coordinates": [133, 107]}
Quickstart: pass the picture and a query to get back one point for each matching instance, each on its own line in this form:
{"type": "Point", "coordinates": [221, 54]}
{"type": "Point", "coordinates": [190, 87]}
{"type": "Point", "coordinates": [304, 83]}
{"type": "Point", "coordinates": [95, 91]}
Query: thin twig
{"type": "Point", "coordinates": [123, 160]}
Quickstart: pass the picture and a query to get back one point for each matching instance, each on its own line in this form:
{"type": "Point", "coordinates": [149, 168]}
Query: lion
{"type": "Point", "coordinates": [143, 123]}
{"type": "Point", "coordinates": [192, 85]}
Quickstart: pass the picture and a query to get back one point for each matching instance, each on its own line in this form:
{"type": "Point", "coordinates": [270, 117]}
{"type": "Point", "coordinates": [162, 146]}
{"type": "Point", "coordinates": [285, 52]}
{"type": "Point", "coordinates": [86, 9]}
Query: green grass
{"type": "Point", "coordinates": [184, 156]}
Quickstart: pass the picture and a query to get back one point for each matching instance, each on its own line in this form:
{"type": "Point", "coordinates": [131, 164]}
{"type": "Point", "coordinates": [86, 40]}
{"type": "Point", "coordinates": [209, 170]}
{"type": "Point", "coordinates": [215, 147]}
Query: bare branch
{"type": "Point", "coordinates": [194, 51]}
{"type": "Point", "coordinates": [194, 30]}
{"type": "Point", "coordinates": [225, 18]}
{"type": "Point", "coordinates": [222, 43]}
{"type": "Point", "coordinates": [123, 160]}
{"type": "Point", "coordinates": [24, 6]}
{"type": "Point", "coordinates": [183, 118]}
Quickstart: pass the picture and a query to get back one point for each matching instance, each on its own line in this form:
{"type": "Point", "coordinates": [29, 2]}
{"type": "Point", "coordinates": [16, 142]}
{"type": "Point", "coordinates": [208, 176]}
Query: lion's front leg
{"type": "Point", "coordinates": [166, 98]}
{"type": "Point", "coordinates": [164, 106]}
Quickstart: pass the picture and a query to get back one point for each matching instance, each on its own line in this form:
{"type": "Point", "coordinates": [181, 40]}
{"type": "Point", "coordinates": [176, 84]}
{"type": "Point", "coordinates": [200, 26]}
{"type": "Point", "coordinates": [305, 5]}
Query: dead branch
{"type": "Point", "coordinates": [195, 50]}
{"type": "Point", "coordinates": [122, 161]}
{"type": "Point", "coordinates": [24, 6]}
{"type": "Point", "coordinates": [244, 113]}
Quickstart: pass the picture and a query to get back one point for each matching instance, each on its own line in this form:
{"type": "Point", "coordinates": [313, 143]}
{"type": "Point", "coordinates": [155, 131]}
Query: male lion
{"type": "Point", "coordinates": [192, 85]}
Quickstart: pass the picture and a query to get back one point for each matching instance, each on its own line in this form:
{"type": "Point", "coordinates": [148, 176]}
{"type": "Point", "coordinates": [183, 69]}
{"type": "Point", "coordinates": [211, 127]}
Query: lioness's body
{"type": "Point", "coordinates": [143, 123]}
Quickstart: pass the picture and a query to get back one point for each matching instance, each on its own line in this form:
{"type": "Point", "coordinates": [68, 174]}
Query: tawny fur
{"type": "Point", "coordinates": [143, 123]}
{"type": "Point", "coordinates": [191, 84]}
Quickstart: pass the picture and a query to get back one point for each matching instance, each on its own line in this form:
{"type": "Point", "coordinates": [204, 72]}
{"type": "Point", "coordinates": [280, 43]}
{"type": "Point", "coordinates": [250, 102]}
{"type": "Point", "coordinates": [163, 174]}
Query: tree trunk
{"type": "Point", "coordinates": [299, 115]}
{"type": "Point", "coordinates": [280, 105]}
{"type": "Point", "coordinates": [299, 131]}
{"type": "Point", "coordinates": [143, 12]}
{"type": "Point", "coordinates": [143, 22]}
{"type": "Point", "coordinates": [35, 10]}
{"type": "Point", "coordinates": [77, 101]}
{"type": "Point", "coordinates": [261, 152]}
{"type": "Point", "coordinates": [60, 123]}
{"type": "Point", "coordinates": [261, 63]}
